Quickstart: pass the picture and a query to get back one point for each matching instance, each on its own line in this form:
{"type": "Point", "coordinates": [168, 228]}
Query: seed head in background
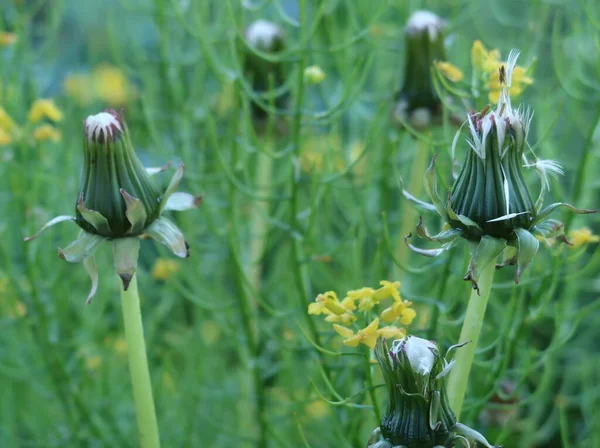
{"type": "Point", "coordinates": [264, 74]}
{"type": "Point", "coordinates": [118, 202]}
{"type": "Point", "coordinates": [418, 413]}
{"type": "Point", "coordinates": [418, 103]}
{"type": "Point", "coordinates": [490, 205]}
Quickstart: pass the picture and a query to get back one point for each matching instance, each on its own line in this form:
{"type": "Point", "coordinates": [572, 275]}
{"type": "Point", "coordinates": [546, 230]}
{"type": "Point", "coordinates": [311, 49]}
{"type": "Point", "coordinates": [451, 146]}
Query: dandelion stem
{"type": "Point", "coordinates": [459, 375]}
{"type": "Point", "coordinates": [138, 367]}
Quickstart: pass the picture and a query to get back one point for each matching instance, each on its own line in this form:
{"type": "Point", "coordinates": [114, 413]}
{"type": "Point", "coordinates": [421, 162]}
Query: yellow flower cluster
{"type": "Point", "coordinates": [163, 268]}
{"type": "Point", "coordinates": [486, 65]}
{"type": "Point", "coordinates": [450, 71]}
{"type": "Point", "coordinates": [581, 237]}
{"type": "Point", "coordinates": [341, 313]}
{"type": "Point", "coordinates": [7, 39]}
{"type": "Point", "coordinates": [41, 109]}
{"type": "Point", "coordinates": [105, 83]}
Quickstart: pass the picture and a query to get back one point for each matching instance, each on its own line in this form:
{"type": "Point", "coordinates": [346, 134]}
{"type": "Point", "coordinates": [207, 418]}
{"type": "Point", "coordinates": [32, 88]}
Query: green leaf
{"type": "Point", "coordinates": [92, 270]}
{"type": "Point", "coordinates": [528, 247]}
{"type": "Point", "coordinates": [431, 188]}
{"type": "Point", "coordinates": [429, 252]}
{"type": "Point", "coordinates": [169, 234]}
{"type": "Point", "coordinates": [468, 222]}
{"type": "Point", "coordinates": [50, 223]}
{"type": "Point", "coordinates": [136, 213]}
{"type": "Point", "coordinates": [484, 253]}
{"type": "Point", "coordinates": [125, 253]}
{"type": "Point", "coordinates": [545, 212]}
{"type": "Point", "coordinates": [445, 236]}
{"type": "Point", "coordinates": [172, 186]}
{"type": "Point", "coordinates": [83, 247]}
{"type": "Point", "coordinates": [182, 201]}
{"type": "Point", "coordinates": [416, 202]}
{"type": "Point", "coordinates": [95, 218]}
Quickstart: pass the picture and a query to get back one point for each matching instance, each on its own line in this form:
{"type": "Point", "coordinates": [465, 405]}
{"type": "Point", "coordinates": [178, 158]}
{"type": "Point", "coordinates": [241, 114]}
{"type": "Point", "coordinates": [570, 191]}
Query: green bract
{"type": "Point", "coordinates": [118, 201]}
{"type": "Point", "coordinates": [417, 101]}
{"type": "Point", "coordinates": [490, 205]}
{"type": "Point", "coordinates": [418, 414]}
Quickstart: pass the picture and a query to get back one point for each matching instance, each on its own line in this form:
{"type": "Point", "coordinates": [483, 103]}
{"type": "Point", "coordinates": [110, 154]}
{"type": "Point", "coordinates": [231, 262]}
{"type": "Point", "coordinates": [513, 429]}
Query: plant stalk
{"type": "Point", "coordinates": [459, 375]}
{"type": "Point", "coordinates": [409, 214]}
{"type": "Point", "coordinates": [138, 367]}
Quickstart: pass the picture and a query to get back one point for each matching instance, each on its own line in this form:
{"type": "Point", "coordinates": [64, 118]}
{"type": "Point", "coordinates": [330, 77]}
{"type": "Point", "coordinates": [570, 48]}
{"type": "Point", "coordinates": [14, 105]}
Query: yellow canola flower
{"type": "Point", "coordinates": [6, 122]}
{"type": "Point", "coordinates": [5, 137]}
{"type": "Point", "coordinates": [111, 85]}
{"type": "Point", "coordinates": [7, 39]}
{"type": "Point", "coordinates": [390, 332]}
{"type": "Point", "coordinates": [163, 268]}
{"type": "Point", "coordinates": [78, 87]}
{"type": "Point", "coordinates": [487, 63]}
{"type": "Point", "coordinates": [336, 311]}
{"type": "Point", "coordinates": [399, 310]}
{"type": "Point", "coordinates": [44, 108]}
{"type": "Point", "coordinates": [450, 71]}
{"type": "Point", "coordinates": [580, 237]}
{"type": "Point", "coordinates": [46, 132]}
{"type": "Point", "coordinates": [367, 336]}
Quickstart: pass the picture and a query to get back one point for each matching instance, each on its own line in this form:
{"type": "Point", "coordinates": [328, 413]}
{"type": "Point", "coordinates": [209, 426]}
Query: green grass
{"type": "Point", "coordinates": [219, 348]}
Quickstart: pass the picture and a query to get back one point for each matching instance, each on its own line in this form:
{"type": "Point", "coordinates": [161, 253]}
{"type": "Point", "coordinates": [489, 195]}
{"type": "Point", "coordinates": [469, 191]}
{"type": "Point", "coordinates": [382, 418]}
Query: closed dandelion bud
{"type": "Point", "coordinates": [490, 204]}
{"type": "Point", "coordinates": [418, 101]}
{"type": "Point", "coordinates": [418, 413]}
{"type": "Point", "coordinates": [118, 202]}
{"type": "Point", "coordinates": [113, 178]}
{"type": "Point", "coordinates": [265, 74]}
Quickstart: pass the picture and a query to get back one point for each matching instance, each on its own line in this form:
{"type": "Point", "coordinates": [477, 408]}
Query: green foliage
{"type": "Point", "coordinates": [307, 203]}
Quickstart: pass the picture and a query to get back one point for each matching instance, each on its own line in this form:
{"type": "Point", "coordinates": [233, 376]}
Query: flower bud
{"type": "Point", "coordinates": [418, 413]}
{"type": "Point", "coordinates": [424, 46]}
{"type": "Point", "coordinates": [264, 75]}
{"type": "Point", "coordinates": [117, 198]}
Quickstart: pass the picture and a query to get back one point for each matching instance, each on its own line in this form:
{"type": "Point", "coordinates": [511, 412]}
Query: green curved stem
{"type": "Point", "coordinates": [459, 375]}
{"type": "Point", "coordinates": [138, 367]}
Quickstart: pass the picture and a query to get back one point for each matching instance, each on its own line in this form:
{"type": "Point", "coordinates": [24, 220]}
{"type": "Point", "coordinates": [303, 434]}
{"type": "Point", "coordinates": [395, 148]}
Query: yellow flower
{"type": "Point", "coordinates": [44, 108]}
{"type": "Point", "coordinates": [487, 64]}
{"type": "Point", "coordinates": [6, 122]}
{"type": "Point", "coordinates": [120, 346]}
{"type": "Point", "coordinates": [7, 39]}
{"type": "Point", "coordinates": [344, 319]}
{"type": "Point", "coordinates": [93, 362]}
{"type": "Point", "coordinates": [580, 237]}
{"type": "Point", "coordinates": [314, 74]}
{"type": "Point", "coordinates": [450, 71]}
{"type": "Point", "coordinates": [111, 85]}
{"type": "Point", "coordinates": [5, 137]}
{"type": "Point", "coordinates": [367, 336]}
{"type": "Point", "coordinates": [399, 310]}
{"type": "Point", "coordinates": [390, 332]}
{"type": "Point", "coordinates": [326, 303]}
{"type": "Point", "coordinates": [387, 290]}
{"type": "Point", "coordinates": [46, 132]}
{"type": "Point", "coordinates": [79, 87]}
{"type": "Point", "coordinates": [163, 268]}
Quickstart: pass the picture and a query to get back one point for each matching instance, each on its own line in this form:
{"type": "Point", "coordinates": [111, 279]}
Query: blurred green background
{"type": "Point", "coordinates": [232, 350]}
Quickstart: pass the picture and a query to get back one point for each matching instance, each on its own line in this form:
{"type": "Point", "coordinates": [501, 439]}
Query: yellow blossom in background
{"type": "Point", "coordinates": [105, 83]}
{"type": "Point", "coordinates": [580, 237]}
{"type": "Point", "coordinates": [314, 74]}
{"type": "Point", "coordinates": [7, 39]}
{"type": "Point", "coordinates": [44, 108]}
{"type": "Point", "coordinates": [120, 346]}
{"type": "Point", "coordinates": [209, 332]}
{"type": "Point", "coordinates": [93, 362]}
{"type": "Point", "coordinates": [317, 409]}
{"type": "Point", "coordinates": [320, 152]}
{"type": "Point", "coordinates": [5, 137]}
{"type": "Point", "coordinates": [486, 65]}
{"type": "Point", "coordinates": [164, 268]}
{"type": "Point", "coordinates": [111, 85]}
{"type": "Point", "coordinates": [341, 313]}
{"type": "Point", "coordinates": [367, 336]}
{"type": "Point", "coordinates": [450, 71]}
{"type": "Point", "coordinates": [6, 122]}
{"type": "Point", "coordinates": [46, 132]}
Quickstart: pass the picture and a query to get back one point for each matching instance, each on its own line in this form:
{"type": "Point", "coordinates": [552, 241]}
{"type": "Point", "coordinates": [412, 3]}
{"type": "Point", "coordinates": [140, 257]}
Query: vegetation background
{"type": "Point", "coordinates": [232, 350]}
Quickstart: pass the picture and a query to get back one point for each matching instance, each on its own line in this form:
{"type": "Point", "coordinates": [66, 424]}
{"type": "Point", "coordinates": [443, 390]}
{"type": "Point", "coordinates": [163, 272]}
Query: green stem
{"type": "Point", "coordinates": [138, 367]}
{"type": "Point", "coordinates": [409, 214]}
{"type": "Point", "coordinates": [459, 375]}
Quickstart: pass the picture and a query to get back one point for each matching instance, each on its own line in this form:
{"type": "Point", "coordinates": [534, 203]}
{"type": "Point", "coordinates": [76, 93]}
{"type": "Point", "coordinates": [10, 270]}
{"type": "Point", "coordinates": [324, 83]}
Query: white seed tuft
{"type": "Point", "coordinates": [262, 34]}
{"type": "Point", "coordinates": [424, 21]}
{"type": "Point", "coordinates": [101, 125]}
